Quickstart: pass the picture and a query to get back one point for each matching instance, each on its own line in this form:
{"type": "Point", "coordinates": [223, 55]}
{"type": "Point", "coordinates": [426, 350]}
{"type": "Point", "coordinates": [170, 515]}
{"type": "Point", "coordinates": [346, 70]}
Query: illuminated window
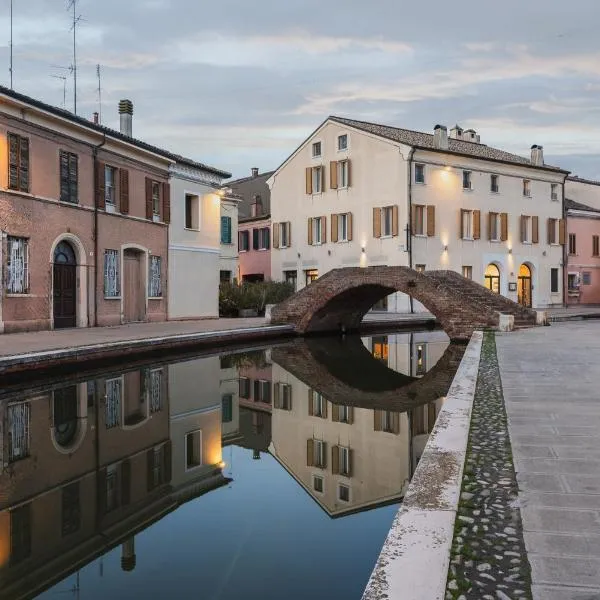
{"type": "Point", "coordinates": [421, 359]}
{"type": "Point", "coordinates": [311, 275]}
{"type": "Point", "coordinates": [381, 349]}
{"type": "Point", "coordinates": [492, 278]}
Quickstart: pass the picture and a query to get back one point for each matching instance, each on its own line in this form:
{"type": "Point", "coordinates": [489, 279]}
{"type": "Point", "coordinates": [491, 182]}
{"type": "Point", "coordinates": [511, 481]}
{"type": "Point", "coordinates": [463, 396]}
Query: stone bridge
{"type": "Point", "coordinates": [345, 372]}
{"type": "Point", "coordinates": [339, 299]}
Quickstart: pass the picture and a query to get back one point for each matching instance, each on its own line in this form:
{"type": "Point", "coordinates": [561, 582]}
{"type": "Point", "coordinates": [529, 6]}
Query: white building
{"type": "Point", "coordinates": [229, 258]}
{"type": "Point", "coordinates": [194, 234]}
{"type": "Point", "coordinates": [361, 194]}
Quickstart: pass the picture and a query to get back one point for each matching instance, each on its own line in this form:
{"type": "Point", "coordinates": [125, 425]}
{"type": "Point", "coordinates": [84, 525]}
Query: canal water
{"type": "Point", "coordinates": [273, 473]}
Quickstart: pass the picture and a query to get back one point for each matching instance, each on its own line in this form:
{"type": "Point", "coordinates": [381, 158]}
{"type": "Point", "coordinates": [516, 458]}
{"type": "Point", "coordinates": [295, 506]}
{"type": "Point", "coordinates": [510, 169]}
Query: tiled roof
{"type": "Point", "coordinates": [65, 114]}
{"type": "Point", "coordinates": [264, 175]}
{"type": "Point", "coordinates": [422, 140]}
{"type": "Point", "coordinates": [577, 179]}
{"type": "Point", "coordinates": [572, 205]}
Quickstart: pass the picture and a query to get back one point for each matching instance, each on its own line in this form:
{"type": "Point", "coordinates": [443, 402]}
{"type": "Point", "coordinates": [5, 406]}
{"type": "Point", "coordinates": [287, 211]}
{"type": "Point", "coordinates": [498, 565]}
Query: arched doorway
{"type": "Point", "coordinates": [524, 286]}
{"type": "Point", "coordinates": [492, 278]}
{"type": "Point", "coordinates": [65, 416]}
{"type": "Point", "coordinates": [64, 285]}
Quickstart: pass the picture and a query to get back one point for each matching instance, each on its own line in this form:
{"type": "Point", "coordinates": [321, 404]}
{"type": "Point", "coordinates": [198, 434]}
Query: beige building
{"type": "Point", "coordinates": [361, 194]}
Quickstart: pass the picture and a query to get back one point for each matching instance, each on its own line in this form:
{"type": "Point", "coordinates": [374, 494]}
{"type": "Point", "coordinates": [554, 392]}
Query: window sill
{"type": "Point", "coordinates": [226, 243]}
{"type": "Point", "coordinates": [495, 241]}
{"type": "Point", "coordinates": [283, 247]}
{"type": "Point", "coordinates": [419, 235]}
{"type": "Point", "coordinates": [420, 183]}
{"type": "Point", "coordinates": [526, 195]}
{"type": "Point", "coordinates": [263, 249]}
{"type": "Point", "coordinates": [316, 194]}
{"type": "Point", "coordinates": [386, 237]}
{"type": "Point", "coordinates": [156, 218]}
{"type": "Point", "coordinates": [468, 189]}
{"type": "Point", "coordinates": [467, 239]}
{"type": "Point", "coordinates": [317, 244]}
{"type": "Point", "coordinates": [155, 297]}
{"type": "Point", "coordinates": [112, 297]}
{"type": "Point", "coordinates": [494, 192]}
{"type": "Point", "coordinates": [191, 229]}
{"type": "Point", "coordinates": [69, 202]}
{"type": "Point", "coordinates": [342, 241]}
{"type": "Point", "coordinates": [17, 295]}
{"type": "Point", "coordinates": [526, 242]}
{"type": "Point", "coordinates": [243, 251]}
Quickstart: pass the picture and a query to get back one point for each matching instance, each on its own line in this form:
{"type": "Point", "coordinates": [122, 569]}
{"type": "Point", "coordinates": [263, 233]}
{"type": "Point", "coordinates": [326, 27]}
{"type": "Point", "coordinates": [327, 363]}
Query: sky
{"type": "Point", "coordinates": [241, 83]}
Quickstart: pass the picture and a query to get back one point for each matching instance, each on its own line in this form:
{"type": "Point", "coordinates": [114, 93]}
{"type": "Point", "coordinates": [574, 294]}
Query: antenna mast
{"type": "Point", "coordinates": [76, 19]}
{"type": "Point", "coordinates": [99, 94]}
{"type": "Point", "coordinates": [11, 45]}
{"type": "Point", "coordinates": [63, 78]}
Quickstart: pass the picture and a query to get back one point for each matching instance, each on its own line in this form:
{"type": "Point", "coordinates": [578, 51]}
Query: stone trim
{"type": "Point", "coordinates": [414, 561]}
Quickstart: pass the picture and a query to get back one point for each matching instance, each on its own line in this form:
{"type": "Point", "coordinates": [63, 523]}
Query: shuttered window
{"type": "Point", "coordinates": [225, 230]}
{"type": "Point", "coordinates": [19, 419]}
{"type": "Point", "coordinates": [112, 275]}
{"type": "Point", "coordinates": [112, 408]}
{"type": "Point", "coordinates": [155, 379]}
{"type": "Point", "coordinates": [68, 163]}
{"type": "Point", "coordinates": [18, 162]}
{"type": "Point", "coordinates": [282, 396]}
{"type": "Point", "coordinates": [110, 186]}
{"type": "Point", "coordinates": [154, 279]}
{"type": "Point", "coordinates": [595, 245]}
{"type": "Point", "coordinates": [17, 280]}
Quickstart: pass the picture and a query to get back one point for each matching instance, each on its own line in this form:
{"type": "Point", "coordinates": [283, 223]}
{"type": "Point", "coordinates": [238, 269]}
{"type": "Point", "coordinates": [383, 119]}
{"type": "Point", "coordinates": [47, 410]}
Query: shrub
{"type": "Point", "coordinates": [252, 296]}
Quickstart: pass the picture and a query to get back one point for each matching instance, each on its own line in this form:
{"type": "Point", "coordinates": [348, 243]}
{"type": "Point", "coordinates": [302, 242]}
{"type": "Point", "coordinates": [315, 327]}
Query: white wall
{"type": "Point", "coordinates": [229, 258]}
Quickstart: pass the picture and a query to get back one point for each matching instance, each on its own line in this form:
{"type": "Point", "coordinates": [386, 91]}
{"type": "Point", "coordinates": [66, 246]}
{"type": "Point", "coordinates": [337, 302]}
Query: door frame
{"type": "Point", "coordinates": [531, 286]}
{"type": "Point", "coordinates": [145, 260]}
{"type": "Point", "coordinates": [81, 279]}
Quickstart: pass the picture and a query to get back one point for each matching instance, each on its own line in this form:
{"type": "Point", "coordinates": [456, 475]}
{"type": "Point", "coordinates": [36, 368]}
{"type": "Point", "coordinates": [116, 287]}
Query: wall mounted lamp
{"type": "Point", "coordinates": [510, 250]}
{"type": "Point", "coordinates": [445, 248]}
{"type": "Point", "coordinates": [298, 254]}
{"type": "Point", "coordinates": [363, 250]}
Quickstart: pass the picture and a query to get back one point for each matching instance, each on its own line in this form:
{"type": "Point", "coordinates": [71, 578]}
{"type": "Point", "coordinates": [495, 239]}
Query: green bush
{"type": "Point", "coordinates": [251, 296]}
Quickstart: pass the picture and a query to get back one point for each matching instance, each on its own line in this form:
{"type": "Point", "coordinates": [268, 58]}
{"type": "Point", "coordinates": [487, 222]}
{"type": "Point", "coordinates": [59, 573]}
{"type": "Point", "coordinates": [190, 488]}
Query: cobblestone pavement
{"type": "Point", "coordinates": [488, 559]}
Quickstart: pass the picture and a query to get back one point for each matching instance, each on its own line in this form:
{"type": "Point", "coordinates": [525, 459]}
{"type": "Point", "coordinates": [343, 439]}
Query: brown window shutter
{"type": "Point", "coordinates": [125, 482]}
{"type": "Point", "coordinates": [349, 163]}
{"type": "Point", "coordinates": [523, 228]}
{"type": "Point", "coordinates": [310, 453]}
{"type": "Point", "coordinates": [289, 232]}
{"type": "Point", "coordinates": [395, 423]}
{"type": "Point", "coordinates": [323, 186]}
{"type": "Point", "coordinates": [333, 175]}
{"type": "Point", "coordinates": [124, 190]}
{"type": "Point", "coordinates": [476, 224]}
{"type": "Point", "coordinates": [350, 462]}
{"type": "Point", "coordinates": [311, 410]}
{"type": "Point", "coordinates": [350, 227]}
{"type": "Point", "coordinates": [148, 198]}
{"type": "Point", "coordinates": [100, 183]}
{"type": "Point", "coordinates": [334, 228]}
{"type": "Point", "coordinates": [535, 231]}
{"type": "Point", "coordinates": [395, 220]}
{"type": "Point", "coordinates": [166, 202]}
{"type": "Point", "coordinates": [350, 415]}
{"type": "Point", "coordinates": [503, 227]}
{"type": "Point", "coordinates": [63, 164]}
{"type": "Point", "coordinates": [562, 231]}
{"type": "Point", "coordinates": [310, 232]}
{"type": "Point", "coordinates": [551, 229]}
{"type": "Point", "coordinates": [431, 221]}
{"type": "Point", "coordinates": [325, 403]}
{"type": "Point", "coordinates": [309, 189]}
{"type": "Point", "coordinates": [335, 460]}
{"type": "Point", "coordinates": [413, 220]}
{"type": "Point", "coordinates": [13, 161]}
{"type": "Point", "coordinates": [489, 225]}
{"type": "Point", "coordinates": [275, 228]}
{"type": "Point", "coordinates": [377, 222]}
{"type": "Point", "coordinates": [377, 420]}
{"type": "Point", "coordinates": [462, 221]}
{"type": "Point", "coordinates": [24, 164]}
{"type": "Point", "coordinates": [276, 400]}
{"type": "Point", "coordinates": [335, 413]}
{"type": "Point", "coordinates": [323, 230]}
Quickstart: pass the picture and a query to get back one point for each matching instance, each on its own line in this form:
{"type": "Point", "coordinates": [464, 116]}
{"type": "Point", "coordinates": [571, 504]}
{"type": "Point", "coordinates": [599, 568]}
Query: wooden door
{"type": "Point", "coordinates": [64, 274]}
{"type": "Point", "coordinates": [134, 298]}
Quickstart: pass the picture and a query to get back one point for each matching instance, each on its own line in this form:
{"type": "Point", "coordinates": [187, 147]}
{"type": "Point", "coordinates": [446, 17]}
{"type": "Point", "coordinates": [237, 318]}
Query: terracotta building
{"type": "Point", "coordinates": [84, 213]}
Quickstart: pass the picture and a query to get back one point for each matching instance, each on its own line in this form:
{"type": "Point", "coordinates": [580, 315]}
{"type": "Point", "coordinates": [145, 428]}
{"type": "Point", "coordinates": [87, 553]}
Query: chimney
{"type": "Point", "coordinates": [96, 118]}
{"type": "Point", "coordinates": [456, 133]}
{"type": "Point", "coordinates": [126, 115]}
{"type": "Point", "coordinates": [254, 171]}
{"type": "Point", "coordinates": [537, 155]}
{"type": "Point", "coordinates": [440, 137]}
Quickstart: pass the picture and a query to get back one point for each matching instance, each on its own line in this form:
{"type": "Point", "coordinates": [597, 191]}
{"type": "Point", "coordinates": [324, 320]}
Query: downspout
{"type": "Point", "coordinates": [564, 247]}
{"type": "Point", "coordinates": [96, 184]}
{"type": "Point", "coordinates": [409, 221]}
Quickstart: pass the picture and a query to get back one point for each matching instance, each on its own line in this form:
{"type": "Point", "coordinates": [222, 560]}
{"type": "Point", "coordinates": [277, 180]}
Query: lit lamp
{"type": "Point", "coordinates": [445, 248]}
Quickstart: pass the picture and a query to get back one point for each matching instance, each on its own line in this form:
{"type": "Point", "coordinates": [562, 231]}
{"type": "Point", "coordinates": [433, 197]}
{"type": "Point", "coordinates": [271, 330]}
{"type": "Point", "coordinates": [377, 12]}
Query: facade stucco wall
{"type": "Point", "coordinates": [255, 262]}
{"type": "Point", "coordinates": [583, 261]}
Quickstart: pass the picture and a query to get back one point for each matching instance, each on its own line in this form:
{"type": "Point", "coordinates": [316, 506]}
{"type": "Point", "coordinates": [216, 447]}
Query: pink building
{"type": "Point", "coordinates": [84, 213]}
{"type": "Point", "coordinates": [254, 243]}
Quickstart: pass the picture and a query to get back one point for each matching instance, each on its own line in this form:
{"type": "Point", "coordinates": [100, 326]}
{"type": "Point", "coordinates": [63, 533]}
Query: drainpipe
{"type": "Point", "coordinates": [96, 182]}
{"type": "Point", "coordinates": [564, 248]}
{"type": "Point", "coordinates": [409, 220]}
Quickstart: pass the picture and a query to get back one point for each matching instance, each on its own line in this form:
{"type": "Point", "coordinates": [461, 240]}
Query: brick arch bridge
{"type": "Point", "coordinates": [345, 372]}
{"type": "Point", "coordinates": [339, 300]}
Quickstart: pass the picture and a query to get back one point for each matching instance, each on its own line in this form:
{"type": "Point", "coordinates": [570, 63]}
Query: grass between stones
{"type": "Point", "coordinates": [488, 560]}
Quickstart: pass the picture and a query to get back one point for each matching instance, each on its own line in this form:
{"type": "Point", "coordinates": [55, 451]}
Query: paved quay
{"type": "Point", "coordinates": [551, 381]}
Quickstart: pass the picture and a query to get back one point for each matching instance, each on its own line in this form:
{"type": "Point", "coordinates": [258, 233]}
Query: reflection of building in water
{"type": "Point", "coordinates": [229, 398]}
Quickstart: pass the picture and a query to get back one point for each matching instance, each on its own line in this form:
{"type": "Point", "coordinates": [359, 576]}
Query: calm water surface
{"type": "Point", "coordinates": [273, 473]}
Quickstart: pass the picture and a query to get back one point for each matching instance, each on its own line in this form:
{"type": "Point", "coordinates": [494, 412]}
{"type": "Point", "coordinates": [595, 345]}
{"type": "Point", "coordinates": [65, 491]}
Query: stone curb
{"type": "Point", "coordinates": [414, 561]}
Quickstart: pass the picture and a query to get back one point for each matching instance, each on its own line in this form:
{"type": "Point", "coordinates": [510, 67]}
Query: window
{"type": "Point", "coordinates": [345, 413]}
{"type": "Point", "coordinates": [387, 217]}
{"type": "Point", "coordinates": [244, 387]}
{"type": "Point", "coordinates": [225, 230]}
{"type": "Point", "coordinates": [318, 484]}
{"type": "Point", "coordinates": [526, 229]}
{"type": "Point", "coordinates": [291, 277]}
{"type": "Point", "coordinates": [554, 281]}
{"type": "Point", "coordinates": [342, 463]}
{"type": "Point", "coordinates": [495, 227]}
{"type": "Point", "coordinates": [283, 396]}
{"type": "Point", "coordinates": [226, 408]}
{"type": "Point", "coordinates": [572, 244]}
{"type": "Point", "coordinates": [467, 224]}
{"type": "Point", "coordinates": [552, 224]}
{"type": "Point", "coordinates": [342, 228]}
{"type": "Point", "coordinates": [71, 509]}
{"type": "Point", "coordinates": [526, 187]}
{"type": "Point", "coordinates": [112, 408]}
{"type": "Point", "coordinates": [419, 173]}
{"type": "Point", "coordinates": [284, 234]}
{"type": "Point", "coordinates": [554, 191]}
{"type": "Point", "coordinates": [492, 278]}
{"type": "Point", "coordinates": [156, 466]}
{"type": "Point", "coordinates": [154, 281]}
{"type": "Point", "coordinates": [494, 184]}
{"type": "Point", "coordinates": [419, 220]}
{"type": "Point", "coordinates": [467, 180]}
{"type": "Point", "coordinates": [317, 405]}
{"type": "Point", "coordinates": [317, 231]}
{"type": "Point", "coordinates": [225, 276]}
{"type": "Point", "coordinates": [381, 348]}
{"type": "Point", "coordinates": [262, 391]}
{"type": "Point", "coordinates": [68, 176]}
{"type": "Point", "coordinates": [344, 493]}
{"type": "Point", "coordinates": [19, 420]}
{"type": "Point", "coordinates": [586, 278]}
{"type": "Point", "coordinates": [193, 449]}
{"type": "Point", "coordinates": [17, 280]}
{"type": "Point", "coordinates": [316, 149]}
{"type": "Point", "coordinates": [320, 459]}
{"type": "Point", "coordinates": [155, 199]}
{"type": "Point", "coordinates": [317, 180]}
{"type": "Point", "coordinates": [342, 142]}
{"type": "Point", "coordinates": [311, 275]}
{"type": "Point", "coordinates": [18, 162]}
{"type": "Point", "coordinates": [244, 241]}
{"type": "Point", "coordinates": [387, 421]}
{"type": "Point", "coordinates": [192, 212]}
{"type": "Point", "coordinates": [595, 245]}
{"type": "Point", "coordinates": [381, 304]}
{"type": "Point", "coordinates": [112, 275]}
{"type": "Point", "coordinates": [467, 271]}
{"type": "Point", "coordinates": [155, 378]}
{"type": "Point", "coordinates": [342, 174]}
{"type": "Point", "coordinates": [573, 282]}
{"type": "Point", "coordinates": [261, 238]}
{"type": "Point", "coordinates": [20, 534]}
{"type": "Point", "coordinates": [110, 192]}
{"type": "Point", "coordinates": [112, 487]}
{"type": "Point", "coordinates": [420, 359]}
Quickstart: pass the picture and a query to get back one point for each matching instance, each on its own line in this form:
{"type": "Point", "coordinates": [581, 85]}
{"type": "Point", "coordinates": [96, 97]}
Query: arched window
{"type": "Point", "coordinates": [65, 417]}
{"type": "Point", "coordinates": [492, 278]}
{"type": "Point", "coordinates": [64, 254]}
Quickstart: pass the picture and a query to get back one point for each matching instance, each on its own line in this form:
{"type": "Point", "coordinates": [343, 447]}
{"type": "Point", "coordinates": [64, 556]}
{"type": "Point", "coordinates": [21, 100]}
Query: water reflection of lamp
{"type": "Point", "coordinates": [128, 559]}
{"type": "Point", "coordinates": [256, 455]}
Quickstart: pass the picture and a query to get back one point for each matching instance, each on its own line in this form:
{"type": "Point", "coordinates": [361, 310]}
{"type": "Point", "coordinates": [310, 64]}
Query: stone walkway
{"type": "Point", "coordinates": [551, 384]}
{"type": "Point", "coordinates": [488, 559]}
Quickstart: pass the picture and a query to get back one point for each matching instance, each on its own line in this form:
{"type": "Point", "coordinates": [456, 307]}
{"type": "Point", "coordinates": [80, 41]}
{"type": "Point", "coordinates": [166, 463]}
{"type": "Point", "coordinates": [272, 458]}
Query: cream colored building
{"type": "Point", "coordinates": [194, 242]}
{"type": "Point", "coordinates": [362, 194]}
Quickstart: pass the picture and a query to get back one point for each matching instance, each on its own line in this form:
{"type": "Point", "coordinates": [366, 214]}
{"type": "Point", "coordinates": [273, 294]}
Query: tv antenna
{"type": "Point", "coordinates": [76, 19]}
{"type": "Point", "coordinates": [99, 93]}
{"type": "Point", "coordinates": [63, 78]}
{"type": "Point", "coordinates": [10, 69]}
